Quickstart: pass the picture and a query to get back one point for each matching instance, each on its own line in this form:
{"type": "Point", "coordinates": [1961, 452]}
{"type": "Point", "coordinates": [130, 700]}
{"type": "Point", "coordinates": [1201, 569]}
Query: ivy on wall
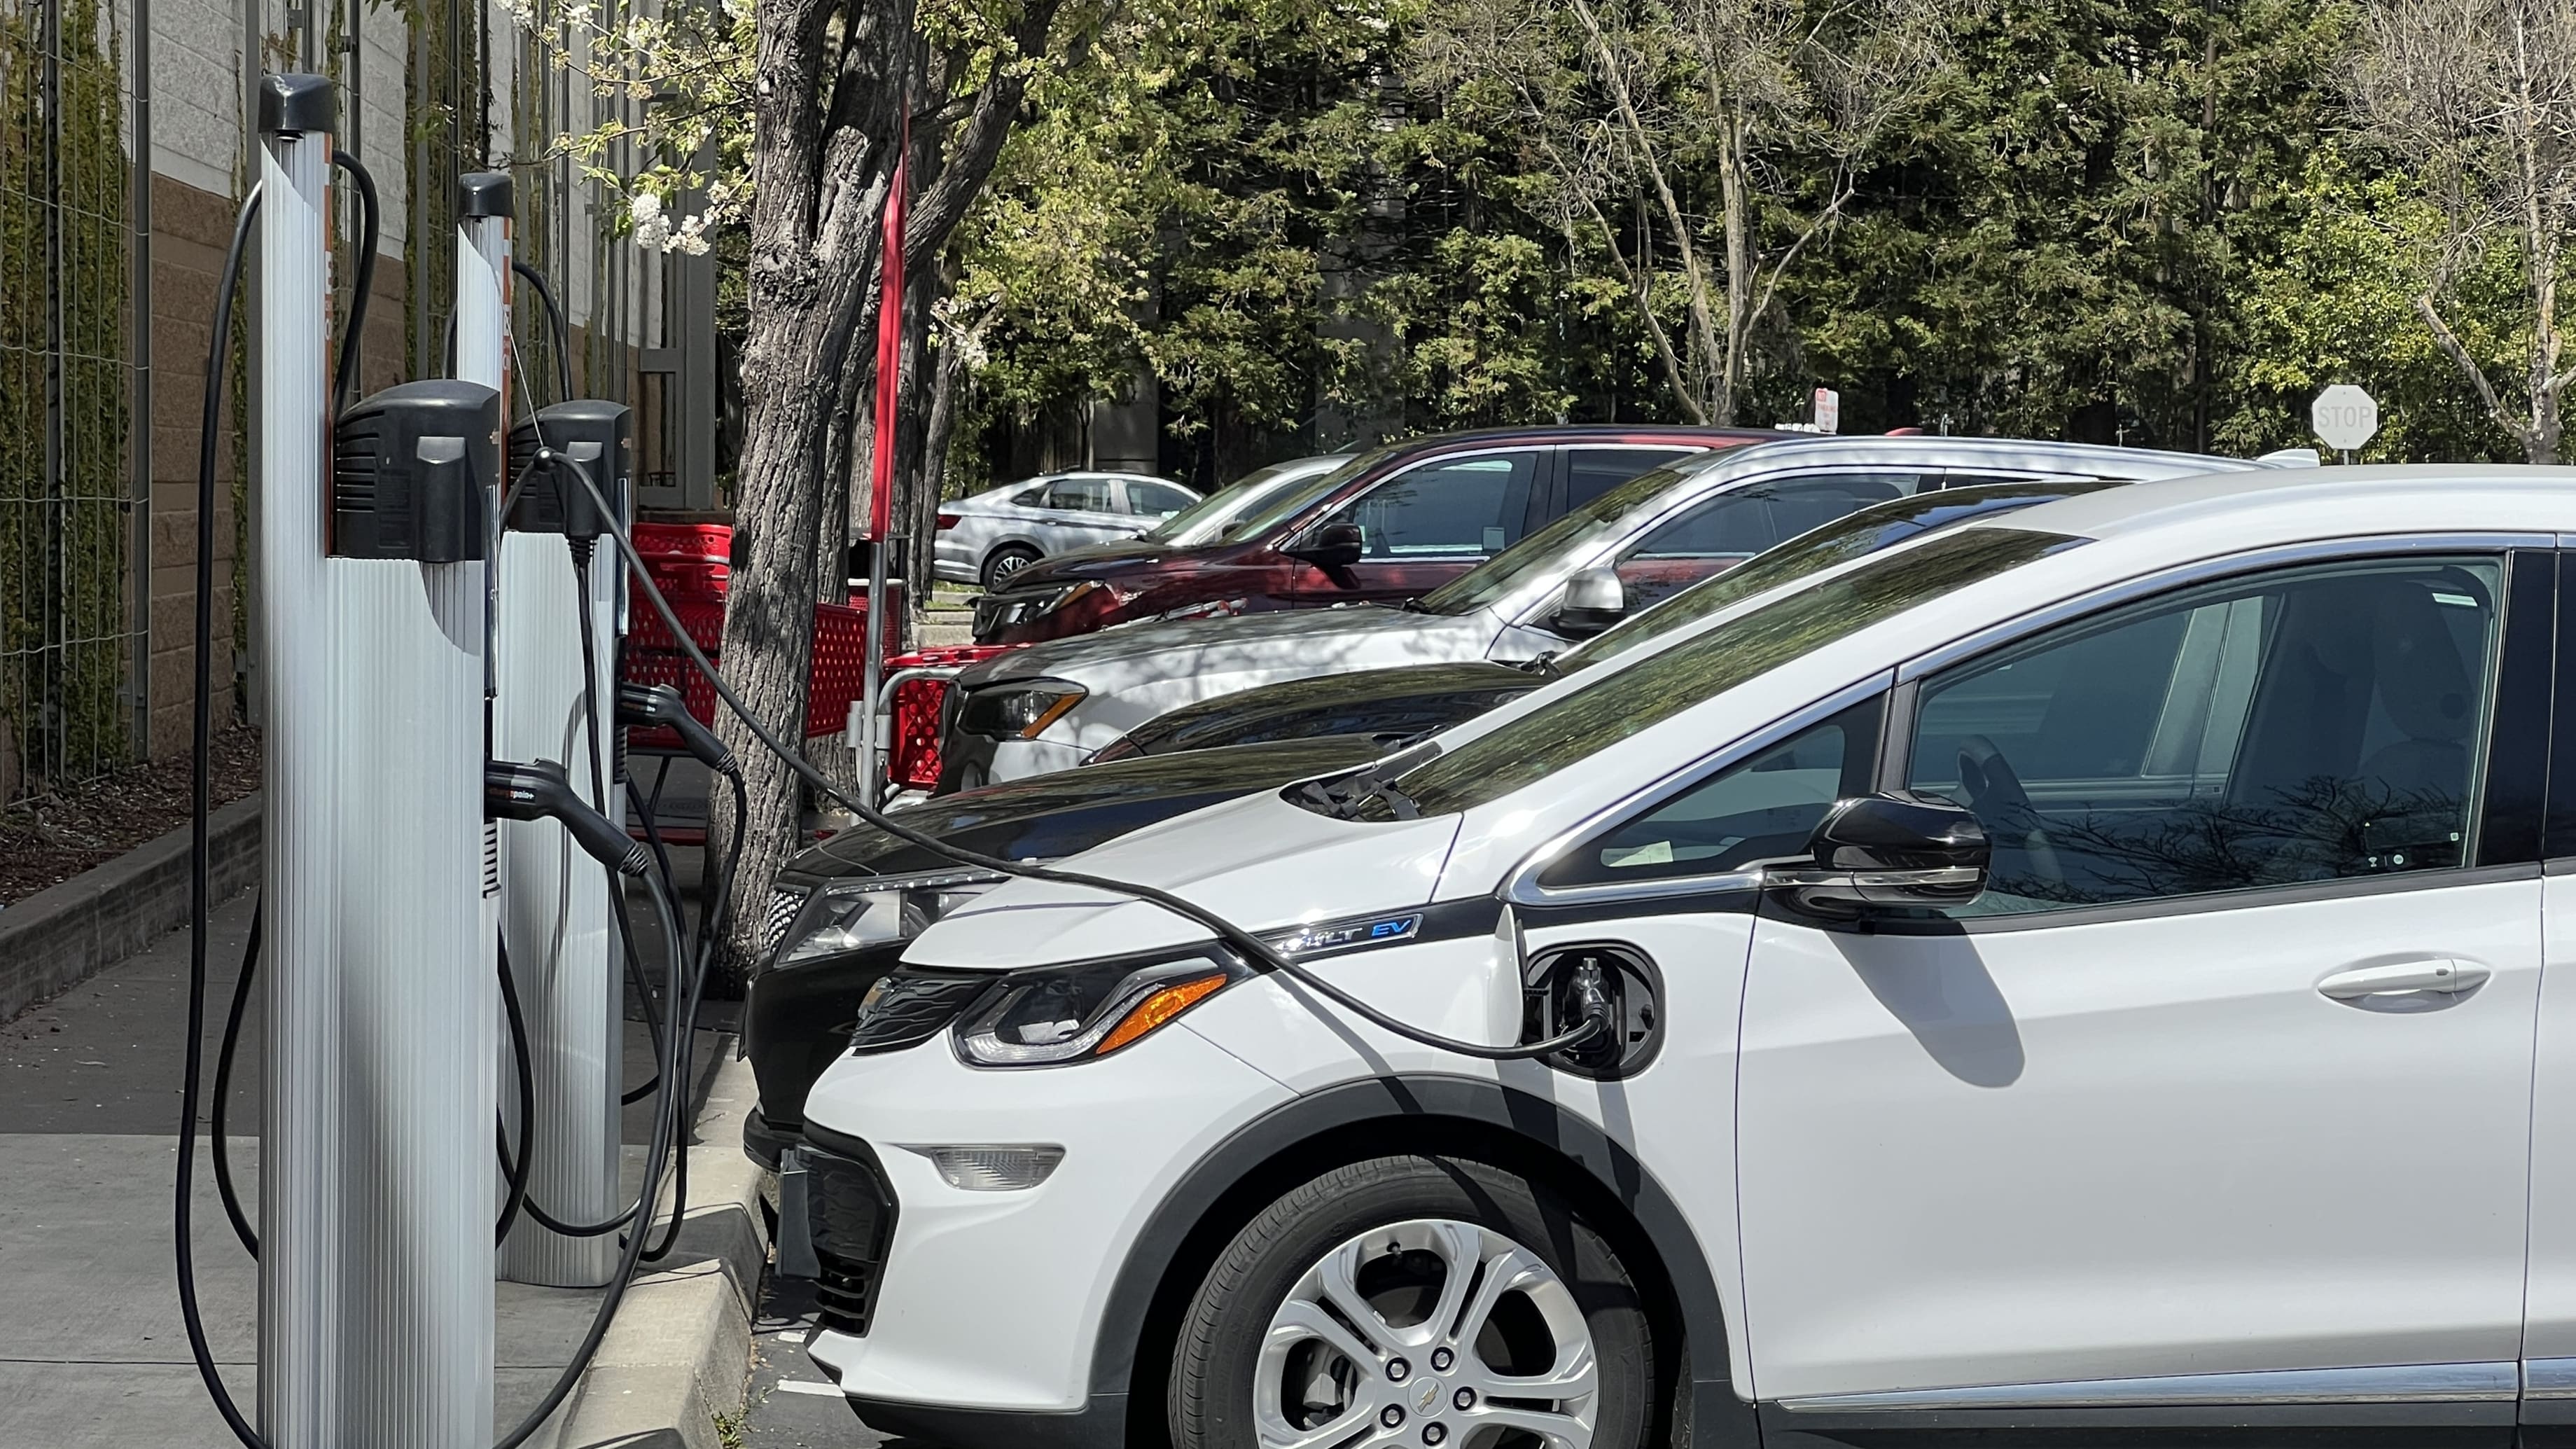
{"type": "Point", "coordinates": [66, 632]}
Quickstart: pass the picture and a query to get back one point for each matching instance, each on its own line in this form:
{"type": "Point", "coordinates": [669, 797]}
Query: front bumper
{"type": "Point", "coordinates": [988, 1305]}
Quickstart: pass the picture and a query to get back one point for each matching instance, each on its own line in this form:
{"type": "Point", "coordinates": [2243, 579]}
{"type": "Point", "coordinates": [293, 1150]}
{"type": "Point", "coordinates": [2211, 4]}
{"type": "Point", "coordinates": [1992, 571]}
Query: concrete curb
{"type": "Point", "coordinates": [678, 1357]}
{"type": "Point", "coordinates": [62, 935]}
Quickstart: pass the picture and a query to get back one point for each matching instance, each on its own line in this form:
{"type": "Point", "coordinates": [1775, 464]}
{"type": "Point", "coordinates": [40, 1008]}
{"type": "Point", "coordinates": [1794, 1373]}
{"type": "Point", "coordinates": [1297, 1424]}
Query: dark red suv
{"type": "Point", "coordinates": [1389, 524]}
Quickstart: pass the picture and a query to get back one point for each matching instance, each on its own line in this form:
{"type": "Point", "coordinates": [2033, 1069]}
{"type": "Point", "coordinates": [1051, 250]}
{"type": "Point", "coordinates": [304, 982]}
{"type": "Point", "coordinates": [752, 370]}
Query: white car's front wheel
{"type": "Point", "coordinates": [1415, 1301]}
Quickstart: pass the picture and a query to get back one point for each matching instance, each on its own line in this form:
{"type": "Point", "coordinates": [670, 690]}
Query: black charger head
{"type": "Point", "coordinates": [412, 469]}
{"type": "Point", "coordinates": [594, 432]}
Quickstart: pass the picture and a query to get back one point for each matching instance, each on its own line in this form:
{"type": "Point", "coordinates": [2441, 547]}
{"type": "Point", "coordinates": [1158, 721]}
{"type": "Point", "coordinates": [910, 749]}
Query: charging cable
{"type": "Point", "coordinates": [1262, 954]}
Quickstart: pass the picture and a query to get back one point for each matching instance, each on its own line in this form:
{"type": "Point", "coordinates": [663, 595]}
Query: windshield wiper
{"type": "Point", "coordinates": [1544, 666]}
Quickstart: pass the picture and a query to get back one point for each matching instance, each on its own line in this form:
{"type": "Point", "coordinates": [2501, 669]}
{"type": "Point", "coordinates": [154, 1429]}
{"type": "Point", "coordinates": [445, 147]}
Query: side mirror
{"type": "Point", "coordinates": [1336, 545]}
{"type": "Point", "coordinates": [1594, 600]}
{"type": "Point", "coordinates": [1905, 849]}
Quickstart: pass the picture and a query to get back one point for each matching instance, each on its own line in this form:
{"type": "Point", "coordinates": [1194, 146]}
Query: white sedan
{"type": "Point", "coordinates": [2096, 974]}
{"type": "Point", "coordinates": [986, 538]}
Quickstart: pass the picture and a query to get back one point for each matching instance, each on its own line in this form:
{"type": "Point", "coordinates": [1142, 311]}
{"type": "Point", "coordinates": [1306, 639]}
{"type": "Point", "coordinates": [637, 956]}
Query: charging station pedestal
{"type": "Point", "coordinates": [377, 1176]}
{"type": "Point", "coordinates": [562, 951]}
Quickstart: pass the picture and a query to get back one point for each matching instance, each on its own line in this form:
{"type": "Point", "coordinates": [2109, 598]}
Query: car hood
{"type": "Point", "coordinates": [1356, 637]}
{"type": "Point", "coordinates": [1259, 861]}
{"type": "Point", "coordinates": [1358, 693]}
{"type": "Point", "coordinates": [1049, 816]}
{"type": "Point", "coordinates": [1092, 560]}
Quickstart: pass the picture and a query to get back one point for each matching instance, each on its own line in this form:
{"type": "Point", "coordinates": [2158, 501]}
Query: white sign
{"type": "Point", "coordinates": [1829, 410]}
{"type": "Point", "coordinates": [2345, 416]}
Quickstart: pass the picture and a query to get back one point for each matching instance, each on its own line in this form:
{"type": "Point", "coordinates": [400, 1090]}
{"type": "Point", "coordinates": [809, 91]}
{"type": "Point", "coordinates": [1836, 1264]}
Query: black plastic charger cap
{"type": "Point", "coordinates": [483, 193]}
{"type": "Point", "coordinates": [594, 432]}
{"type": "Point", "coordinates": [297, 104]}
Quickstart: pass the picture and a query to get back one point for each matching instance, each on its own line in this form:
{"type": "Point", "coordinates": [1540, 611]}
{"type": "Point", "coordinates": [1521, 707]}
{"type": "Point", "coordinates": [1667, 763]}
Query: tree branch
{"type": "Point", "coordinates": [2453, 348]}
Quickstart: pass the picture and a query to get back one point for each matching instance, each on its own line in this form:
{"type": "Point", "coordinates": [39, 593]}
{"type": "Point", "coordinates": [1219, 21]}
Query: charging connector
{"type": "Point", "coordinates": [644, 706]}
{"type": "Point", "coordinates": [541, 791]}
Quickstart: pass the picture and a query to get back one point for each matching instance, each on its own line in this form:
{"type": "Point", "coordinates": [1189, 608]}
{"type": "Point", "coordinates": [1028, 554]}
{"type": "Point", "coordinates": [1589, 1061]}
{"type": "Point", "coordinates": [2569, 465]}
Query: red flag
{"type": "Point", "coordinates": [889, 349]}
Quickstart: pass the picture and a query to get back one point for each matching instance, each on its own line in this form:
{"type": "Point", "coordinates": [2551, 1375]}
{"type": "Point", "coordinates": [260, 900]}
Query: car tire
{"type": "Point", "coordinates": [1005, 561]}
{"type": "Point", "coordinates": [1273, 1349]}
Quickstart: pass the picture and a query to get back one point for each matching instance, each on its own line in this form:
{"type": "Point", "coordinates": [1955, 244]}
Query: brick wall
{"type": "Point", "coordinates": [191, 228]}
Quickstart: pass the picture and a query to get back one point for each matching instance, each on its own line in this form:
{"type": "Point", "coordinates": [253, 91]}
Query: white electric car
{"type": "Point", "coordinates": [1054, 704]}
{"type": "Point", "coordinates": [2100, 968]}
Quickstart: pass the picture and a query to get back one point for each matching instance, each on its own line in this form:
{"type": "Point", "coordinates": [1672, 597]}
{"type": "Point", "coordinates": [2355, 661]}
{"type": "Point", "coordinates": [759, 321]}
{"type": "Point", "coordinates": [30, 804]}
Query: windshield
{"type": "Point", "coordinates": [1296, 498]}
{"type": "Point", "coordinates": [1583, 722]}
{"type": "Point", "coordinates": [1878, 526]}
{"type": "Point", "coordinates": [1497, 577]}
{"type": "Point", "coordinates": [1206, 518]}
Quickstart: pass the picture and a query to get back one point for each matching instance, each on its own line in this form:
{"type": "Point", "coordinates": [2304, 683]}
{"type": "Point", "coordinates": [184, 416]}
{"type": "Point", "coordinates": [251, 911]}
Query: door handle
{"type": "Point", "coordinates": [2441, 974]}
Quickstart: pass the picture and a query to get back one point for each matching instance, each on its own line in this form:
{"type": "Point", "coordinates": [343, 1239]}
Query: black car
{"type": "Point", "coordinates": [844, 910]}
{"type": "Point", "coordinates": [1389, 705]}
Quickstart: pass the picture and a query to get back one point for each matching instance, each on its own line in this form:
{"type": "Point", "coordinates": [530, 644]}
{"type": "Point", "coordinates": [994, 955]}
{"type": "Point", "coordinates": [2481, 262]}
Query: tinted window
{"type": "Point", "coordinates": [1813, 552]}
{"type": "Point", "coordinates": [1463, 508]}
{"type": "Point", "coordinates": [1544, 552]}
{"type": "Point", "coordinates": [2303, 725]}
{"type": "Point", "coordinates": [1736, 526]}
{"type": "Point", "coordinates": [1759, 809]}
{"type": "Point", "coordinates": [1583, 722]}
{"type": "Point", "coordinates": [1147, 497]}
{"type": "Point", "coordinates": [1090, 495]}
{"type": "Point", "coordinates": [1591, 472]}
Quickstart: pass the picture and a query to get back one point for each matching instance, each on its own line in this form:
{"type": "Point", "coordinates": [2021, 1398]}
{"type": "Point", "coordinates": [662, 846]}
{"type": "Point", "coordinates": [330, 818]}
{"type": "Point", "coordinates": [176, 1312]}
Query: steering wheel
{"type": "Point", "coordinates": [1998, 800]}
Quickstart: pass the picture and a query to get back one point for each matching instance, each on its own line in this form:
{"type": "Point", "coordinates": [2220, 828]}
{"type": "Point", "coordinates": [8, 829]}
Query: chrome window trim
{"type": "Point", "coordinates": [2549, 1378]}
{"type": "Point", "coordinates": [1522, 887]}
{"type": "Point", "coordinates": [2391, 1384]}
{"type": "Point", "coordinates": [2218, 566]}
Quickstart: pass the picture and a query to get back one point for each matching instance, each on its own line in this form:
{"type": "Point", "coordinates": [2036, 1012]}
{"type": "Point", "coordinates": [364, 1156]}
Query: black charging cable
{"type": "Point", "coordinates": [1259, 953]}
{"type": "Point", "coordinates": [346, 375]}
{"type": "Point", "coordinates": [555, 316]}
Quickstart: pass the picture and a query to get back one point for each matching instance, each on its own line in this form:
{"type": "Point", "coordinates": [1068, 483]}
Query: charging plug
{"type": "Point", "coordinates": [645, 705]}
{"type": "Point", "coordinates": [513, 791]}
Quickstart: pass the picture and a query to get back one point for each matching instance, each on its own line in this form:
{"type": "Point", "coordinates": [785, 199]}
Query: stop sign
{"type": "Point", "coordinates": [2345, 417]}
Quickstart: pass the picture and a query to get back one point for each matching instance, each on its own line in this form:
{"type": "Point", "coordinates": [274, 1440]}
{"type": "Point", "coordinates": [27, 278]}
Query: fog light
{"type": "Point", "coordinates": [981, 1168]}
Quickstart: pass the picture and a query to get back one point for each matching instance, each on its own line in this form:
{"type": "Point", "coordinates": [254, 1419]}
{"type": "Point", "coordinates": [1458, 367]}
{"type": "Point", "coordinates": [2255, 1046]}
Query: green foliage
{"type": "Point", "coordinates": [65, 487]}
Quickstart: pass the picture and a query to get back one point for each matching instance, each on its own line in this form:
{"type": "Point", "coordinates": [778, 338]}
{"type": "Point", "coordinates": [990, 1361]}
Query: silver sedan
{"type": "Point", "coordinates": [987, 538]}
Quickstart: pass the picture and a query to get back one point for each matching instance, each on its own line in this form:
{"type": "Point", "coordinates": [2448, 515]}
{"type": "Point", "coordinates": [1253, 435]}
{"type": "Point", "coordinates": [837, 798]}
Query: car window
{"type": "Point", "coordinates": [1296, 498]}
{"type": "Point", "coordinates": [1880, 526]}
{"type": "Point", "coordinates": [1733, 527]}
{"type": "Point", "coordinates": [1201, 520]}
{"type": "Point", "coordinates": [1546, 550]}
{"type": "Point", "coordinates": [1759, 809]}
{"type": "Point", "coordinates": [1155, 499]}
{"type": "Point", "coordinates": [2304, 725]}
{"type": "Point", "coordinates": [1591, 472]}
{"type": "Point", "coordinates": [1583, 722]}
{"type": "Point", "coordinates": [1459, 508]}
{"type": "Point", "coordinates": [1090, 495]}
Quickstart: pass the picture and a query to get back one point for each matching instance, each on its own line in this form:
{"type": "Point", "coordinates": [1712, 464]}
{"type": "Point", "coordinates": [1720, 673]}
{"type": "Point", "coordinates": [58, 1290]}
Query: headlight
{"type": "Point", "coordinates": [1068, 1013]}
{"type": "Point", "coordinates": [1018, 711]}
{"type": "Point", "coordinates": [845, 915]}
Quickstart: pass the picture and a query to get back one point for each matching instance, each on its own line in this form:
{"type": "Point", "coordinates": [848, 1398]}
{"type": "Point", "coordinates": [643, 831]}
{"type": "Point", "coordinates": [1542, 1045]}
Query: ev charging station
{"type": "Point", "coordinates": [377, 1175]}
{"type": "Point", "coordinates": [555, 701]}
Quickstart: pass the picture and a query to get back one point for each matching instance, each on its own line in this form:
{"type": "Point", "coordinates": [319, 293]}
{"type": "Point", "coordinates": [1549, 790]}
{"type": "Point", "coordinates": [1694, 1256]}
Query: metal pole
{"type": "Point", "coordinates": [377, 1177]}
{"type": "Point", "coordinates": [139, 431]}
{"type": "Point", "coordinates": [303, 1319]}
{"type": "Point", "coordinates": [555, 905]}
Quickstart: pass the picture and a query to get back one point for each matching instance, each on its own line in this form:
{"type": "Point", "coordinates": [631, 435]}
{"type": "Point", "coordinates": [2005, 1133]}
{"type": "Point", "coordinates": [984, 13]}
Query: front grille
{"type": "Point", "coordinates": [908, 1008]}
{"type": "Point", "coordinates": [784, 903]}
{"type": "Point", "coordinates": [850, 1214]}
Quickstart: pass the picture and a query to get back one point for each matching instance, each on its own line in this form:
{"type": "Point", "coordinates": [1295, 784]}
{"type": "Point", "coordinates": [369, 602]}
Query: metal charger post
{"type": "Point", "coordinates": [376, 1177]}
{"type": "Point", "coordinates": [555, 922]}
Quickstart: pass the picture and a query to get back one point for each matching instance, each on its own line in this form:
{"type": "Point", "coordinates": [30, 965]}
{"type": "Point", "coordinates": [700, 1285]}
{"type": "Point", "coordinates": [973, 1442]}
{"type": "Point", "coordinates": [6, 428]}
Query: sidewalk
{"type": "Point", "coordinates": [92, 1352]}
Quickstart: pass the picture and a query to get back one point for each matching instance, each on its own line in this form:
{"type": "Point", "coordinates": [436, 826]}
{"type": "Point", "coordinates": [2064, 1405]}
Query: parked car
{"type": "Point", "coordinates": [992, 535]}
{"type": "Point", "coordinates": [843, 910]}
{"type": "Point", "coordinates": [1388, 524]}
{"type": "Point", "coordinates": [1050, 706]}
{"type": "Point", "coordinates": [1393, 706]}
{"type": "Point", "coordinates": [2040, 963]}
{"type": "Point", "coordinates": [819, 965]}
